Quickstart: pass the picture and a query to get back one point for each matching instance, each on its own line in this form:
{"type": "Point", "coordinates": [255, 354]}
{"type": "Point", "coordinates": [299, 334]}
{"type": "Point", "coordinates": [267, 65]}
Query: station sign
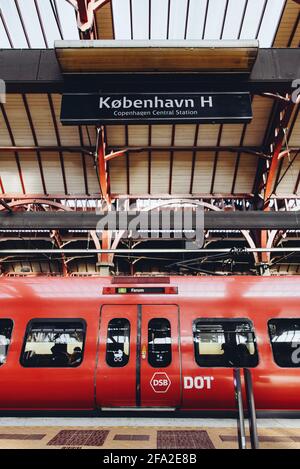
{"type": "Point", "coordinates": [155, 108]}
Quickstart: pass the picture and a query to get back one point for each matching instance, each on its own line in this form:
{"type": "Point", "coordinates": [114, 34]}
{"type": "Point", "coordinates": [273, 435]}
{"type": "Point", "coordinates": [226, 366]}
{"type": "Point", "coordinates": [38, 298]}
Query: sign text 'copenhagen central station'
{"type": "Point", "coordinates": [88, 108]}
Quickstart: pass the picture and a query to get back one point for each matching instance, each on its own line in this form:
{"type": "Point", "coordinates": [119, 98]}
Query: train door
{"type": "Point", "coordinates": [160, 370]}
{"type": "Point", "coordinates": [138, 361]}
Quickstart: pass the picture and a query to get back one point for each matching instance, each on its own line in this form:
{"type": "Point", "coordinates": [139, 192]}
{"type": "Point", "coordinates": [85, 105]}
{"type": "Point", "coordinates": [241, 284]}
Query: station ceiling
{"type": "Point", "coordinates": [37, 23]}
{"type": "Point", "coordinates": [151, 168]}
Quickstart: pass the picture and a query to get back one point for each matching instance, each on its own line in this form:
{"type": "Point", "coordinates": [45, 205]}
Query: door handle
{"type": "Point", "coordinates": [144, 352]}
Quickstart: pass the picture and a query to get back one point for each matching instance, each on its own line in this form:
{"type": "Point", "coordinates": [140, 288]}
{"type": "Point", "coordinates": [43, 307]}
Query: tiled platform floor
{"type": "Point", "coordinates": [144, 437]}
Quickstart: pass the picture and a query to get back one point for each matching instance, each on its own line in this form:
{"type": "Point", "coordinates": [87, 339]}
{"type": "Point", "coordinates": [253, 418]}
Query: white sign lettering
{"type": "Point", "coordinates": [152, 103]}
{"type": "Point", "coordinates": [198, 382]}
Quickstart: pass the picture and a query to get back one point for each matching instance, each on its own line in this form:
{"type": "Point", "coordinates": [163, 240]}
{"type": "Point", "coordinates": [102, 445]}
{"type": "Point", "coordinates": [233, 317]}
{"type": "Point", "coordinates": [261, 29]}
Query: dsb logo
{"type": "Point", "coordinates": [199, 382]}
{"type": "Point", "coordinates": [160, 382]}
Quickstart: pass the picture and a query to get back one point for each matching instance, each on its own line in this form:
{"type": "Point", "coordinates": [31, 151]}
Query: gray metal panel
{"type": "Point", "coordinates": [276, 65]}
{"type": "Point", "coordinates": [19, 64]}
{"type": "Point", "coordinates": [88, 221]}
{"type": "Point", "coordinates": [30, 70]}
{"type": "Point", "coordinates": [33, 70]}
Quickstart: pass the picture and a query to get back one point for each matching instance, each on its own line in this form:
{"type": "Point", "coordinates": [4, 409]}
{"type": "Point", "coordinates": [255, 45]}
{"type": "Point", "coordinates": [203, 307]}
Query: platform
{"type": "Point", "coordinates": [136, 433]}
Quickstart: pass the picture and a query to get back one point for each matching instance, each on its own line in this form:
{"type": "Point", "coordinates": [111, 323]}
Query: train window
{"type": "Point", "coordinates": [159, 343]}
{"type": "Point", "coordinates": [6, 326]}
{"type": "Point", "coordinates": [118, 340]}
{"type": "Point", "coordinates": [54, 343]}
{"type": "Point", "coordinates": [225, 343]}
{"type": "Point", "coordinates": [285, 341]}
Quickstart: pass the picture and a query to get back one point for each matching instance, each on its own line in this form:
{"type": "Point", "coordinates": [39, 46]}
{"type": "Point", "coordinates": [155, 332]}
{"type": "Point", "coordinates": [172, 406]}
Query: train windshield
{"type": "Point", "coordinates": [225, 343]}
{"type": "Point", "coordinates": [6, 326]}
{"type": "Point", "coordinates": [285, 341]}
{"type": "Point", "coordinates": [54, 343]}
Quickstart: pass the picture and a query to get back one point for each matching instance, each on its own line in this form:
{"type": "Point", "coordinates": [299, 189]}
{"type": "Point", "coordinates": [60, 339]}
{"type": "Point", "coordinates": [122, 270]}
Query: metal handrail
{"type": "Point", "coordinates": [251, 409]}
{"type": "Point", "coordinates": [239, 403]}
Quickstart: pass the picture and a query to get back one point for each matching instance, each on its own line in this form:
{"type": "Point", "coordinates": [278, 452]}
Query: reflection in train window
{"type": "Point", "coordinates": [117, 345]}
{"type": "Point", "coordinates": [225, 343]}
{"type": "Point", "coordinates": [6, 326]}
{"type": "Point", "coordinates": [54, 343]}
{"type": "Point", "coordinates": [285, 341]}
{"type": "Point", "coordinates": [159, 343]}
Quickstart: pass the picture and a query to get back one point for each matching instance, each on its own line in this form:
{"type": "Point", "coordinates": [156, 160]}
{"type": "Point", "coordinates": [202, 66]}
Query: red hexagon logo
{"type": "Point", "coordinates": [160, 382]}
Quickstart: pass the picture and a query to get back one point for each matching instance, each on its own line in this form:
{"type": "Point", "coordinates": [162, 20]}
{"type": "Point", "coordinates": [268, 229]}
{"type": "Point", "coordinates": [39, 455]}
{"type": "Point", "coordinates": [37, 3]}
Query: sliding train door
{"type": "Point", "coordinates": [160, 370]}
{"type": "Point", "coordinates": [117, 357]}
{"type": "Point", "coordinates": [138, 363]}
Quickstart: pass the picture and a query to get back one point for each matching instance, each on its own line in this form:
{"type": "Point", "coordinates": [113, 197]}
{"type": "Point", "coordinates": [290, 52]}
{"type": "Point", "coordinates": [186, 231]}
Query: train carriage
{"type": "Point", "coordinates": [148, 343]}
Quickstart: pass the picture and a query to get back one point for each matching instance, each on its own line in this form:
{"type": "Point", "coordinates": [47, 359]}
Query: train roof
{"type": "Point", "coordinates": [189, 286]}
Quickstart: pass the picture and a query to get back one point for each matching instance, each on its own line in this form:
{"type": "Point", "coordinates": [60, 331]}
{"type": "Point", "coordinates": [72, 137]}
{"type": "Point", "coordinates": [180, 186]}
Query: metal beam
{"type": "Point", "coordinates": [5, 205]}
{"type": "Point", "coordinates": [49, 149]}
{"type": "Point", "coordinates": [120, 151]}
{"type": "Point", "coordinates": [213, 220]}
{"type": "Point", "coordinates": [37, 71]}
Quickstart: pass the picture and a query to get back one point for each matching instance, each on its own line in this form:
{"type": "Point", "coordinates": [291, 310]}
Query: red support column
{"type": "Point", "coordinates": [280, 132]}
{"type": "Point", "coordinates": [85, 17]}
{"type": "Point", "coordinates": [102, 166]}
{"type": "Point", "coordinates": [82, 10]}
{"type": "Point", "coordinates": [106, 260]}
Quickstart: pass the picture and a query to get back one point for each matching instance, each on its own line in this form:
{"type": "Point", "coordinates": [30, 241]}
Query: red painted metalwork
{"type": "Point", "coordinates": [258, 299]}
{"type": "Point", "coordinates": [216, 160]}
{"type": "Point", "coordinates": [287, 109]}
{"type": "Point", "coordinates": [104, 259]}
{"type": "Point", "coordinates": [35, 202]}
{"type": "Point", "coordinates": [56, 237]}
{"type": "Point", "coordinates": [102, 165]}
{"type": "Point", "coordinates": [1, 186]}
{"type": "Point", "coordinates": [82, 9]}
{"type": "Point", "coordinates": [86, 10]}
{"type": "Point", "coordinates": [112, 155]}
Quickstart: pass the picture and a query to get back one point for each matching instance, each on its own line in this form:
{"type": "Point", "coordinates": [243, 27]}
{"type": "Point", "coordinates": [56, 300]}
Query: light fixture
{"type": "Point", "coordinates": [103, 56]}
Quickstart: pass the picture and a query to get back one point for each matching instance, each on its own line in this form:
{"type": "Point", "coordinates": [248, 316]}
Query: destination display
{"type": "Point", "coordinates": [139, 290]}
{"type": "Point", "coordinates": [97, 108]}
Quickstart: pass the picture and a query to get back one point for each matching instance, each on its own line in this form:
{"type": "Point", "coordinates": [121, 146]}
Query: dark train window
{"type": "Point", "coordinates": [54, 343]}
{"type": "Point", "coordinates": [159, 343]}
{"type": "Point", "coordinates": [118, 340]}
{"type": "Point", "coordinates": [285, 341]}
{"type": "Point", "coordinates": [224, 343]}
{"type": "Point", "coordinates": [6, 326]}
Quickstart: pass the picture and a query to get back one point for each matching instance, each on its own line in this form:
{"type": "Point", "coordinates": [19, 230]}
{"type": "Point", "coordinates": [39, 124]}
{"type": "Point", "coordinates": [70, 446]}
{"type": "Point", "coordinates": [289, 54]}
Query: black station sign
{"type": "Point", "coordinates": [97, 108]}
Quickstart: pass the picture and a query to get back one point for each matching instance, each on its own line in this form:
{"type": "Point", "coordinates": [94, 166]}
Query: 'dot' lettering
{"type": "Point", "coordinates": [198, 382]}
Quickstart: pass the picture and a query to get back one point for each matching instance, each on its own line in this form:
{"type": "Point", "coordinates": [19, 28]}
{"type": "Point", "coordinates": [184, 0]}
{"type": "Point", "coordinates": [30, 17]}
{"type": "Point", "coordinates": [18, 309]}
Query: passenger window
{"type": "Point", "coordinates": [6, 326]}
{"type": "Point", "coordinates": [159, 343]}
{"type": "Point", "coordinates": [224, 343]}
{"type": "Point", "coordinates": [54, 343]}
{"type": "Point", "coordinates": [285, 341]}
{"type": "Point", "coordinates": [118, 340]}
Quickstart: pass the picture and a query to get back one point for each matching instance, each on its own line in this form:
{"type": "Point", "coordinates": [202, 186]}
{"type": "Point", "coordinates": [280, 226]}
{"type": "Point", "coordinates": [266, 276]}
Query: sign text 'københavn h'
{"type": "Point", "coordinates": [98, 108]}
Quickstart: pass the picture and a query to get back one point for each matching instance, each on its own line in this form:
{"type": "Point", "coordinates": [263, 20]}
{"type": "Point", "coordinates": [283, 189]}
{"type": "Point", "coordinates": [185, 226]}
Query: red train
{"type": "Point", "coordinates": [164, 342]}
